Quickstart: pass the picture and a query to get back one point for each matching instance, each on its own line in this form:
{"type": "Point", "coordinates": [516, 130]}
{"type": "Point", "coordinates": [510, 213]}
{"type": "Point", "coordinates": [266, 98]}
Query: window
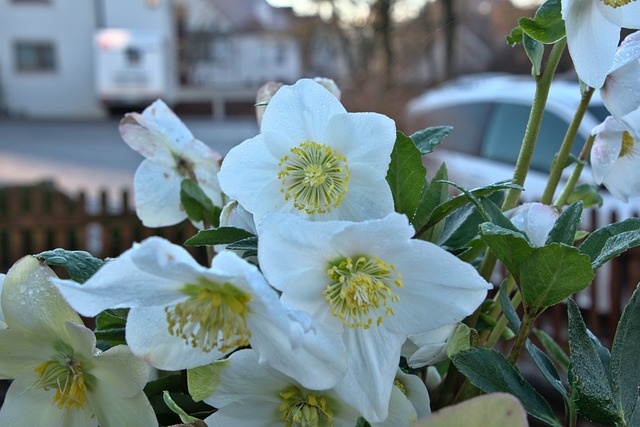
{"type": "Point", "coordinates": [31, 1]}
{"type": "Point", "coordinates": [35, 56]}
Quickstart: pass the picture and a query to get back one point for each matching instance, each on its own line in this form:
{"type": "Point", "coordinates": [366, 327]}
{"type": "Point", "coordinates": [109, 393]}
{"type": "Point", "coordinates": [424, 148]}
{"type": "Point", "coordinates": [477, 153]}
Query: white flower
{"type": "Point", "coordinates": [372, 285]}
{"type": "Point", "coordinates": [184, 315]}
{"type": "Point", "coordinates": [313, 158]}
{"type": "Point", "coordinates": [615, 159]}
{"type": "Point", "coordinates": [535, 219]}
{"type": "Point", "coordinates": [247, 393]}
{"type": "Point", "coordinates": [428, 348]}
{"type": "Point", "coordinates": [621, 91]}
{"type": "Point", "coordinates": [172, 155]}
{"type": "Point", "coordinates": [593, 34]}
{"type": "Point", "coordinates": [414, 389]}
{"type": "Point", "coordinates": [60, 379]}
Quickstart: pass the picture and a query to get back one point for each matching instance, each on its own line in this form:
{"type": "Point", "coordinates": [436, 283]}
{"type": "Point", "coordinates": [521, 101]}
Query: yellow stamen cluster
{"type": "Point", "coordinates": [66, 378]}
{"type": "Point", "coordinates": [628, 145]}
{"type": "Point", "coordinates": [300, 409]}
{"type": "Point", "coordinates": [213, 317]}
{"type": "Point", "coordinates": [401, 386]}
{"type": "Point", "coordinates": [315, 176]}
{"type": "Point", "coordinates": [616, 3]}
{"type": "Point", "coordinates": [361, 290]}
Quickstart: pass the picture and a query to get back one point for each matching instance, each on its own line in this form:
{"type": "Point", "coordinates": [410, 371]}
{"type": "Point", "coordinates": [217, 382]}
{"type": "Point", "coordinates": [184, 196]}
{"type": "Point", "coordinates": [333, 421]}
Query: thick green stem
{"type": "Point", "coordinates": [565, 149]}
{"type": "Point", "coordinates": [575, 174]}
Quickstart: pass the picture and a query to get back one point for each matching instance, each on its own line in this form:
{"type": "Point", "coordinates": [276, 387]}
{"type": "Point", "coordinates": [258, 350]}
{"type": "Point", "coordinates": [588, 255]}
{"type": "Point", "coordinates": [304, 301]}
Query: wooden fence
{"type": "Point", "coordinates": [38, 218]}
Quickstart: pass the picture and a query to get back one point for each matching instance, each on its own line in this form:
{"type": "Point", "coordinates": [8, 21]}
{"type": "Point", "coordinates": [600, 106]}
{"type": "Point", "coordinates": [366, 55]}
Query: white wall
{"type": "Point", "coordinates": [68, 90]}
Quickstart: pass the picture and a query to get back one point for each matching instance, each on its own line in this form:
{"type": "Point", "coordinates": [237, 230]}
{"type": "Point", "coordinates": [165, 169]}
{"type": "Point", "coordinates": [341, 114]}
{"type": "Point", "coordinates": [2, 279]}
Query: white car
{"type": "Point", "coordinates": [489, 113]}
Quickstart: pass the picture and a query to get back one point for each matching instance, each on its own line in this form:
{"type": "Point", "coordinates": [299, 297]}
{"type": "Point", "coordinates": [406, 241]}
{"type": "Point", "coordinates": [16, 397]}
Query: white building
{"type": "Point", "coordinates": [213, 51]}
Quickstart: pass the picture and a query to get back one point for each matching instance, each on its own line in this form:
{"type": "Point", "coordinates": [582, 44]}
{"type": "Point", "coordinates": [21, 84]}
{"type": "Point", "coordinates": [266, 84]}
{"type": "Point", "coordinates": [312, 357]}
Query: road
{"type": "Point", "coordinates": [90, 155]}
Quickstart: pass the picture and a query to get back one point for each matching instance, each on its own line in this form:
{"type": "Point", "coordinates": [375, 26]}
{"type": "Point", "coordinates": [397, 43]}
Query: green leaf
{"type": "Point", "coordinates": [184, 417]}
{"type": "Point", "coordinates": [625, 359]}
{"type": "Point", "coordinates": [547, 368]}
{"type": "Point", "coordinates": [507, 308]}
{"type": "Point", "coordinates": [197, 204]}
{"type": "Point", "coordinates": [218, 236]}
{"type": "Point", "coordinates": [492, 410]}
{"type": "Point", "coordinates": [610, 241]}
{"type": "Point", "coordinates": [248, 244]}
{"type": "Point", "coordinates": [587, 376]}
{"type": "Point", "coordinates": [552, 273]}
{"type": "Point", "coordinates": [547, 26]}
{"type": "Point", "coordinates": [406, 175]}
{"type": "Point", "coordinates": [511, 247]}
{"type": "Point", "coordinates": [552, 347]}
{"type": "Point", "coordinates": [534, 50]}
{"type": "Point", "coordinates": [433, 194]}
{"type": "Point", "coordinates": [460, 341]}
{"type": "Point", "coordinates": [488, 370]}
{"type": "Point", "coordinates": [80, 265]}
{"type": "Point", "coordinates": [515, 37]}
{"type": "Point", "coordinates": [204, 380]}
{"type": "Point", "coordinates": [427, 139]}
{"type": "Point", "coordinates": [588, 193]}
{"type": "Point", "coordinates": [565, 228]}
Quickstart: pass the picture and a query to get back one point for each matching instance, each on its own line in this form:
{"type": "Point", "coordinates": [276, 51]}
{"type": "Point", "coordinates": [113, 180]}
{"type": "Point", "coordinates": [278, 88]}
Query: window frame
{"type": "Point", "coordinates": [45, 56]}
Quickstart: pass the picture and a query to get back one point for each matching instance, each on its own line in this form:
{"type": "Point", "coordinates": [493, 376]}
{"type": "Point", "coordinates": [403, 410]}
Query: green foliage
{"type": "Point", "coordinates": [534, 50]}
{"type": "Point", "coordinates": [547, 368]}
{"type": "Point", "coordinates": [488, 370]}
{"type": "Point", "coordinates": [406, 175]}
{"type": "Point", "coordinates": [79, 264]}
{"type": "Point", "coordinates": [433, 195]}
{"type": "Point", "coordinates": [493, 410]}
{"type": "Point", "coordinates": [553, 349]}
{"type": "Point", "coordinates": [218, 236]}
{"type": "Point", "coordinates": [197, 204]}
{"type": "Point", "coordinates": [507, 308]}
{"type": "Point", "coordinates": [427, 139]}
{"type": "Point", "coordinates": [588, 377]}
{"type": "Point", "coordinates": [610, 241]}
{"type": "Point", "coordinates": [565, 228]}
{"type": "Point", "coordinates": [588, 193]}
{"type": "Point", "coordinates": [461, 340]}
{"type": "Point", "coordinates": [547, 25]}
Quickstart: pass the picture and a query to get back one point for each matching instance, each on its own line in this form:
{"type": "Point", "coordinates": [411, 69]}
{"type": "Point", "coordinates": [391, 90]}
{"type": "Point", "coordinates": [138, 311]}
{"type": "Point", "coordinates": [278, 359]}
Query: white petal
{"type": "Point", "coordinates": [120, 372]}
{"type": "Point", "coordinates": [113, 410]}
{"type": "Point", "coordinates": [628, 51]}
{"type": "Point", "coordinates": [373, 360]}
{"type": "Point", "coordinates": [624, 179]}
{"type": "Point", "coordinates": [428, 348]}
{"type": "Point", "coordinates": [157, 195]}
{"type": "Point", "coordinates": [22, 353]}
{"type": "Point", "coordinates": [261, 414]}
{"type": "Point", "coordinates": [627, 16]}
{"type": "Point", "coordinates": [301, 111]}
{"type": "Point", "coordinates": [416, 392]}
{"type": "Point", "coordinates": [24, 406]}
{"type": "Point", "coordinates": [620, 93]}
{"type": "Point", "coordinates": [401, 411]}
{"type": "Point", "coordinates": [606, 148]}
{"type": "Point", "coordinates": [148, 337]}
{"type": "Point", "coordinates": [535, 219]}
{"type": "Point", "coordinates": [592, 40]}
{"type": "Point", "coordinates": [30, 301]}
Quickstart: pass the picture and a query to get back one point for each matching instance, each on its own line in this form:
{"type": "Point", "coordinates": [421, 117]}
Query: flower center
{"type": "Point", "coordinates": [627, 145]}
{"type": "Point", "coordinates": [66, 378]}
{"type": "Point", "coordinates": [616, 3]}
{"type": "Point", "coordinates": [214, 316]}
{"type": "Point", "coordinates": [315, 176]}
{"type": "Point", "coordinates": [361, 291]}
{"type": "Point", "coordinates": [304, 410]}
{"type": "Point", "coordinates": [401, 386]}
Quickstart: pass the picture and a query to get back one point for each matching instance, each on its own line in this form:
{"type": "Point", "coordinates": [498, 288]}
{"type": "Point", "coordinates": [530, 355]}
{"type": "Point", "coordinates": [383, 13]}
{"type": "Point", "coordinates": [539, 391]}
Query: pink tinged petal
{"type": "Point", "coordinates": [119, 371]}
{"type": "Point", "coordinates": [627, 16]}
{"type": "Point", "coordinates": [148, 337]}
{"type": "Point", "coordinates": [30, 301]}
{"type": "Point", "coordinates": [32, 407]}
{"type": "Point", "coordinates": [373, 360]}
{"type": "Point", "coordinates": [301, 111]}
{"type": "Point", "coordinates": [606, 148]}
{"type": "Point", "coordinates": [592, 40]}
{"type": "Point", "coordinates": [157, 195]}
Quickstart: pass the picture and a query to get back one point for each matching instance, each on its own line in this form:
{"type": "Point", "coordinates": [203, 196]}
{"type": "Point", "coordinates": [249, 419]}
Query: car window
{"type": "Point", "coordinates": [505, 131]}
{"type": "Point", "coordinates": [468, 121]}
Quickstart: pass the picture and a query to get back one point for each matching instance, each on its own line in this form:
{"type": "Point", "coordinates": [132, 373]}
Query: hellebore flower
{"type": "Point", "coordinates": [372, 285]}
{"type": "Point", "coordinates": [312, 158]}
{"type": "Point", "coordinates": [184, 315]}
{"type": "Point", "coordinates": [535, 219]}
{"type": "Point", "coordinates": [593, 33]}
{"type": "Point", "coordinates": [172, 155]}
{"type": "Point", "coordinates": [60, 378]}
{"type": "Point", "coordinates": [615, 159]}
{"type": "Point", "coordinates": [621, 90]}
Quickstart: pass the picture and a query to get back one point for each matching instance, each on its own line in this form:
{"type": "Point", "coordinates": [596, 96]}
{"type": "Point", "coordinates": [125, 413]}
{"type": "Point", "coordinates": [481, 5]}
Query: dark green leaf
{"type": "Point", "coordinates": [497, 216]}
{"type": "Point", "coordinates": [588, 193]}
{"type": "Point", "coordinates": [488, 370]}
{"type": "Point", "coordinates": [566, 226]}
{"type": "Point", "coordinates": [552, 347]}
{"type": "Point", "coordinates": [588, 379]}
{"type": "Point", "coordinates": [109, 319]}
{"type": "Point", "coordinates": [547, 26]}
{"type": "Point", "coordinates": [427, 139]}
{"type": "Point", "coordinates": [406, 175]}
{"type": "Point", "coordinates": [625, 358]}
{"type": "Point", "coordinates": [610, 241]}
{"type": "Point", "coordinates": [79, 264]}
{"type": "Point", "coordinates": [511, 247]}
{"type": "Point", "coordinates": [432, 195]}
{"type": "Point", "coordinates": [552, 273]}
{"type": "Point", "coordinates": [534, 50]}
{"type": "Point", "coordinates": [507, 308]}
{"type": "Point", "coordinates": [547, 368]}
{"type": "Point", "coordinates": [197, 204]}
{"type": "Point", "coordinates": [111, 336]}
{"type": "Point", "coordinates": [218, 236]}
{"type": "Point", "coordinates": [515, 37]}
{"type": "Point", "coordinates": [248, 244]}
